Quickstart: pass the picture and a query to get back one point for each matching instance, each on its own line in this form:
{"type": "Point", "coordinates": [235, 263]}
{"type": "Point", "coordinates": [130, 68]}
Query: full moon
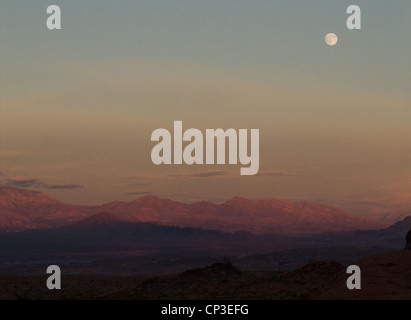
{"type": "Point", "coordinates": [331, 39]}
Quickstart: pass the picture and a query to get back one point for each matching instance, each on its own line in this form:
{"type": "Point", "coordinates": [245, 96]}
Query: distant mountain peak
{"type": "Point", "coordinates": [401, 226]}
{"type": "Point", "coordinates": [150, 201]}
{"type": "Point", "coordinates": [13, 191]}
{"type": "Point", "coordinates": [238, 201]}
{"type": "Point", "coordinates": [10, 196]}
{"type": "Point", "coordinates": [148, 197]}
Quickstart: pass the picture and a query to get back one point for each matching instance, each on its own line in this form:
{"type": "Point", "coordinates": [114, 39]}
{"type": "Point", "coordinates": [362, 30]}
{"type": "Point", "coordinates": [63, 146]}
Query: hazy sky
{"type": "Point", "coordinates": [78, 105]}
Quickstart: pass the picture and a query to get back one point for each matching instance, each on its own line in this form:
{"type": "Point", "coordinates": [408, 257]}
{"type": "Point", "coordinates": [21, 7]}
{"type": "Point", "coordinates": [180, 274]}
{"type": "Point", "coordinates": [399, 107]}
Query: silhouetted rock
{"type": "Point", "coordinates": [408, 238]}
{"type": "Point", "coordinates": [225, 269]}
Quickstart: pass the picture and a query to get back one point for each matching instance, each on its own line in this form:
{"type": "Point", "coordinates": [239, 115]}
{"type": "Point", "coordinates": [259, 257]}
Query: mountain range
{"type": "Point", "coordinates": [22, 209]}
{"type": "Point", "coordinates": [153, 235]}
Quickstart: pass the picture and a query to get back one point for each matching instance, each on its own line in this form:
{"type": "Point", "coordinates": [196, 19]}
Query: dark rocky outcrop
{"type": "Point", "coordinates": [408, 239]}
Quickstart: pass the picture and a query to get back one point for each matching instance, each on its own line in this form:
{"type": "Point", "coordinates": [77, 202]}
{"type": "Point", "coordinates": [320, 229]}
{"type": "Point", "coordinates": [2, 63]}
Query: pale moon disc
{"type": "Point", "coordinates": [331, 39]}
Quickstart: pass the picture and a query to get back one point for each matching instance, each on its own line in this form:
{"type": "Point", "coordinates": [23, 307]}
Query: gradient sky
{"type": "Point", "coordinates": [78, 105]}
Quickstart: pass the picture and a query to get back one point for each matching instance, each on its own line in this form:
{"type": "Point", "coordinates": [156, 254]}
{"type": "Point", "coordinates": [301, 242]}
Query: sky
{"type": "Point", "coordinates": [78, 105]}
